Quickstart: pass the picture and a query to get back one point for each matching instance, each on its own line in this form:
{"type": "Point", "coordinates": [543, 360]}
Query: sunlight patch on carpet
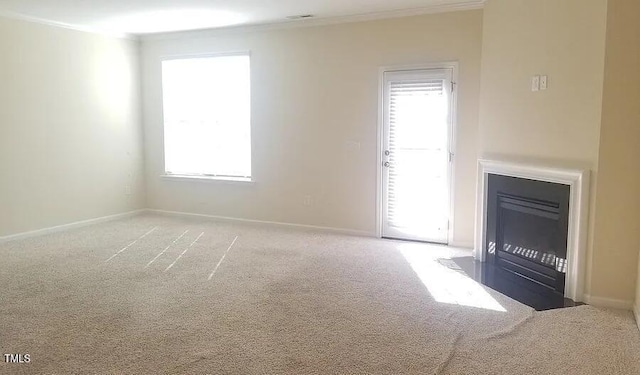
{"type": "Point", "coordinates": [445, 284]}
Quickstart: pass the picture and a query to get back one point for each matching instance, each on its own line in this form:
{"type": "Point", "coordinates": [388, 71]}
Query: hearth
{"type": "Point", "coordinates": [526, 233]}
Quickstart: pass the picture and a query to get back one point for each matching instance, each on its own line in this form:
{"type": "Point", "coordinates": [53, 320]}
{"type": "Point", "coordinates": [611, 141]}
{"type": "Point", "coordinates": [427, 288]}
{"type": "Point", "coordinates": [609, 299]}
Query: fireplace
{"type": "Point", "coordinates": [532, 223]}
{"type": "Point", "coordinates": [527, 230]}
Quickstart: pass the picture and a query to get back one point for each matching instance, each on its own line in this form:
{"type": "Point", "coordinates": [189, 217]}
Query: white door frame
{"type": "Point", "coordinates": [453, 66]}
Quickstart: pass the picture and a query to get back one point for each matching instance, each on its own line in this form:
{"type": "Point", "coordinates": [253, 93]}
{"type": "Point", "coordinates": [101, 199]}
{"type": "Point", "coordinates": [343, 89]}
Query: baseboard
{"type": "Point", "coordinates": [349, 232]}
{"type": "Point", "coordinates": [636, 312]}
{"type": "Point", "coordinates": [74, 225]}
{"type": "Point", "coordinates": [608, 302]}
{"type": "Point", "coordinates": [462, 245]}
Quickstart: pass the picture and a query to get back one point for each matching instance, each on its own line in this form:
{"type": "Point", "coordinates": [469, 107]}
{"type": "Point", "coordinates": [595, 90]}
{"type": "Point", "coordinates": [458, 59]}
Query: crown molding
{"type": "Point", "coordinates": [278, 25]}
{"type": "Point", "coordinates": [63, 25]}
{"type": "Point", "coordinates": [293, 24]}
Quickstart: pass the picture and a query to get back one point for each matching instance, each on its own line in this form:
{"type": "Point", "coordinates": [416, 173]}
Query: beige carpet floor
{"type": "Point", "coordinates": [159, 295]}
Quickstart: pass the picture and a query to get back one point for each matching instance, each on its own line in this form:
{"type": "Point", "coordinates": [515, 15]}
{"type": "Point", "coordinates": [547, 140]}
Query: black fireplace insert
{"type": "Point", "coordinates": [527, 229]}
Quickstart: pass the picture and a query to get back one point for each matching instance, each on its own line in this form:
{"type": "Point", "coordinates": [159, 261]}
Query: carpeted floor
{"type": "Point", "coordinates": [158, 295]}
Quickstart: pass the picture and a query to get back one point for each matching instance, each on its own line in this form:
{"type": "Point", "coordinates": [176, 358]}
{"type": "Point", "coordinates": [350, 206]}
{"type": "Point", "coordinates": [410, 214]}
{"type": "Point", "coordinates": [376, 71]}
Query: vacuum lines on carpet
{"type": "Point", "coordinates": [221, 259]}
{"type": "Point", "coordinates": [166, 248]}
{"type": "Point", "coordinates": [171, 245]}
{"type": "Point", "coordinates": [131, 244]}
{"type": "Point", "coordinates": [184, 252]}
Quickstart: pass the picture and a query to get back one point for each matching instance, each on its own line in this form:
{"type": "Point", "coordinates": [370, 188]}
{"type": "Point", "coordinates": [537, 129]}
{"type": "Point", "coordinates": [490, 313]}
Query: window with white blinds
{"type": "Point", "coordinates": [207, 107]}
{"type": "Point", "coordinates": [417, 126]}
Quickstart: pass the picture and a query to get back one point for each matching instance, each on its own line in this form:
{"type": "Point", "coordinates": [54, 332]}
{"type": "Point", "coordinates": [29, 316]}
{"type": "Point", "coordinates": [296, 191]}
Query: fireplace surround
{"type": "Point", "coordinates": [576, 179]}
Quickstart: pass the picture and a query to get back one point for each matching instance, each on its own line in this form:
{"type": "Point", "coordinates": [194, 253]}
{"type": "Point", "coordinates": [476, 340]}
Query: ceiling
{"type": "Point", "coordinates": [134, 17]}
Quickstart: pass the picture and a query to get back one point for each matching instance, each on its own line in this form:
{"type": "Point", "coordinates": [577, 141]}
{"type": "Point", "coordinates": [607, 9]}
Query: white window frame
{"type": "Point", "coordinates": [454, 66]}
{"type": "Point", "coordinates": [204, 177]}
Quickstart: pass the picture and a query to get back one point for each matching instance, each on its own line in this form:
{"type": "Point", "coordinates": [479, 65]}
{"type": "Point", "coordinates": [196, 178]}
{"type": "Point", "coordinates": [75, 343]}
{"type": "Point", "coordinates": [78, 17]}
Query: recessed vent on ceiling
{"type": "Point", "coordinates": [300, 17]}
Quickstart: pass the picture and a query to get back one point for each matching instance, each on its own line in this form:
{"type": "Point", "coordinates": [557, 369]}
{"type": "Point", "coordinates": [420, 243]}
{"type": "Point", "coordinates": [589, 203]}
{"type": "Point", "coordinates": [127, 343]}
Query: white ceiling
{"type": "Point", "coordinates": [152, 16]}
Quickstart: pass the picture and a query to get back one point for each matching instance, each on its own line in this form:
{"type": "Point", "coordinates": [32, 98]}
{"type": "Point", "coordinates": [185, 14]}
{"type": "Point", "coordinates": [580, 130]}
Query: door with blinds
{"type": "Point", "coordinates": [416, 154]}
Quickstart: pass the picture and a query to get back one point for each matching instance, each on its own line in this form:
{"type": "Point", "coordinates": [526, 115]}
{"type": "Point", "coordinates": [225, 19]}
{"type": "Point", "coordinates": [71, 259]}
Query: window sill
{"type": "Point", "coordinates": [179, 177]}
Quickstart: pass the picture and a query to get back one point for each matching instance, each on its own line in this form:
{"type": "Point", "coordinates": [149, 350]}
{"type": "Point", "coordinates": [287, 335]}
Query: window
{"type": "Point", "coordinates": [207, 115]}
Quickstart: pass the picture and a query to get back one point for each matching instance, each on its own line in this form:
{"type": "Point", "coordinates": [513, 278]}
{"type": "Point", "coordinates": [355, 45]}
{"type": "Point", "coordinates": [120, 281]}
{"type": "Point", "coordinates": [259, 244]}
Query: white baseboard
{"type": "Point", "coordinates": [349, 232]}
{"type": "Point", "coordinates": [608, 302]}
{"type": "Point", "coordinates": [462, 245]}
{"type": "Point", "coordinates": [636, 312]}
{"type": "Point", "coordinates": [74, 225]}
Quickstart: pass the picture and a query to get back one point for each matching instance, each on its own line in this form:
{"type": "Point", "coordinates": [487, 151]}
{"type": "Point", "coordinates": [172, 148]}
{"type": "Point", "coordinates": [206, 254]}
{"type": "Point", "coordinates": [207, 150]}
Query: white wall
{"type": "Point", "coordinates": [314, 89]}
{"type": "Point", "coordinates": [562, 39]}
{"type": "Point", "coordinates": [70, 140]}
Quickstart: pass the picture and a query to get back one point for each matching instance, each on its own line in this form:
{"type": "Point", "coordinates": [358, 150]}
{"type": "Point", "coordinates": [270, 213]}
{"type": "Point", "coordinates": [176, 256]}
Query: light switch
{"type": "Point", "coordinates": [535, 83]}
{"type": "Point", "coordinates": [544, 82]}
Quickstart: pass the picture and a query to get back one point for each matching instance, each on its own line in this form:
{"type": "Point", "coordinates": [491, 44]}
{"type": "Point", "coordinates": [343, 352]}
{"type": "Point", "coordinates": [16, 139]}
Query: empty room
{"type": "Point", "coordinates": [320, 187]}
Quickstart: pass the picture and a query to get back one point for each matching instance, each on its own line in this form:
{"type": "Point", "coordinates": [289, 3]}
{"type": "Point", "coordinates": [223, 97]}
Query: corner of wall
{"type": "Point", "coordinates": [636, 313]}
{"type": "Point", "coordinates": [609, 302]}
{"type": "Point", "coordinates": [144, 201]}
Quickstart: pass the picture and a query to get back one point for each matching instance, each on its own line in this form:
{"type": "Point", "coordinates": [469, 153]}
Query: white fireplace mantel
{"type": "Point", "coordinates": [577, 179]}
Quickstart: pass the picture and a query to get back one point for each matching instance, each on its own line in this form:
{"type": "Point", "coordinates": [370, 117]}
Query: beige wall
{"type": "Point", "coordinates": [566, 41]}
{"type": "Point", "coordinates": [617, 225]}
{"type": "Point", "coordinates": [315, 89]}
{"type": "Point", "coordinates": [70, 140]}
{"type": "Point", "coordinates": [562, 39]}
